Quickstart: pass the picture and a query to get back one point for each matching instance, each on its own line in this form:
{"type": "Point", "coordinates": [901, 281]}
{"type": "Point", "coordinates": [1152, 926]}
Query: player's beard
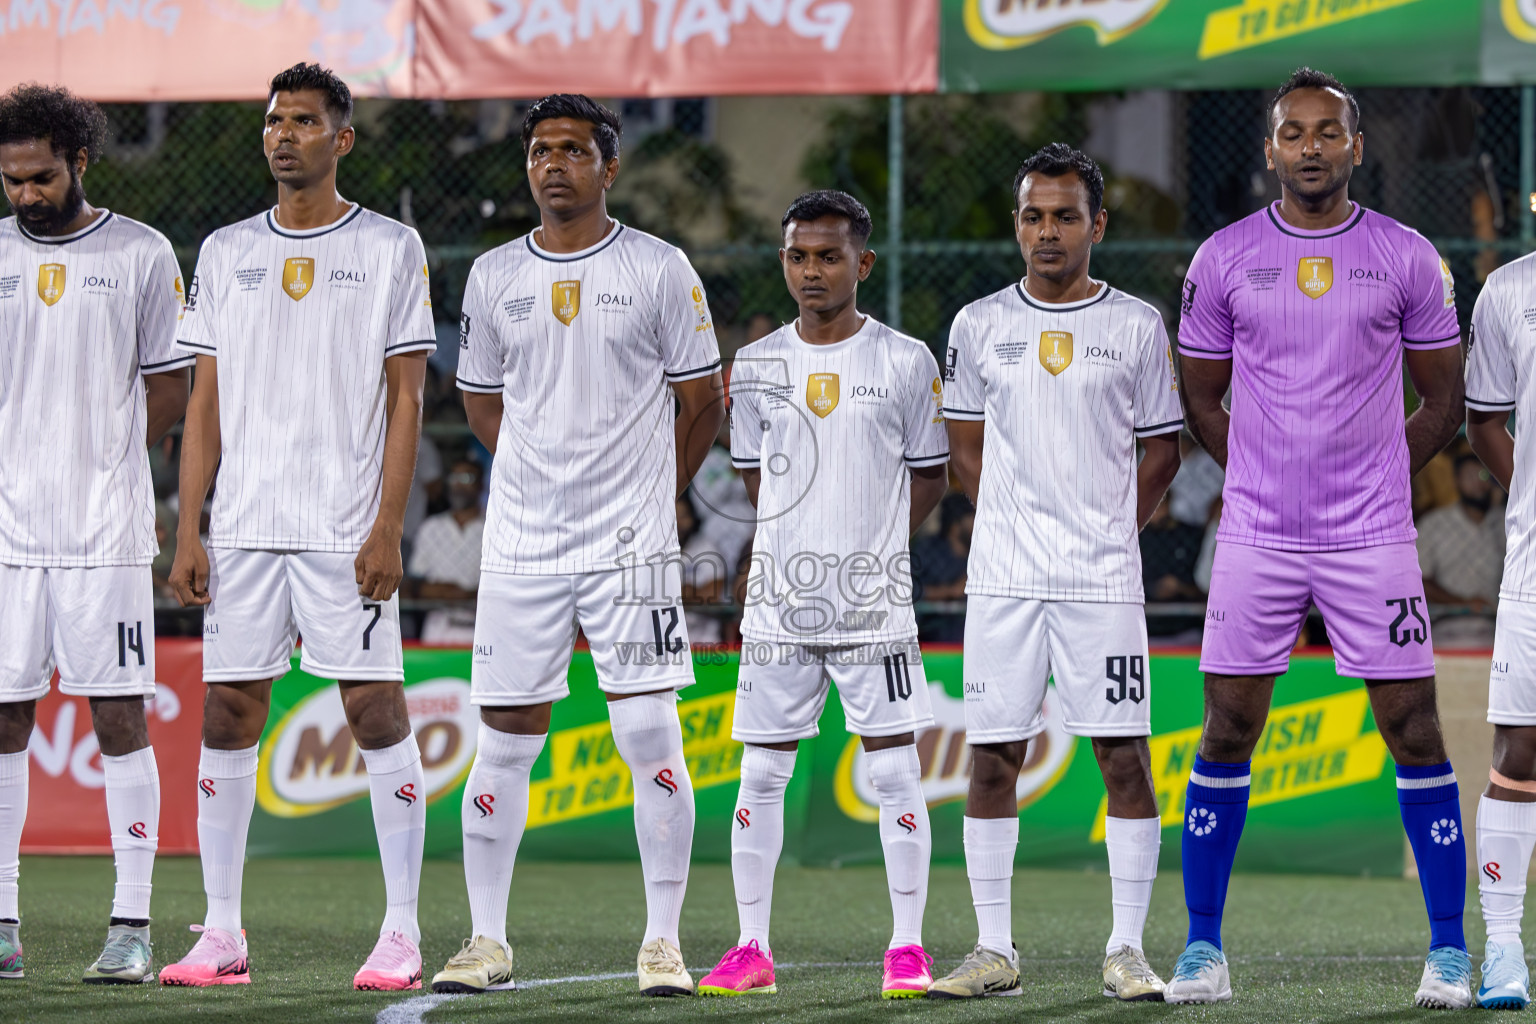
{"type": "Point", "coordinates": [1334, 183]}
{"type": "Point", "coordinates": [47, 219]}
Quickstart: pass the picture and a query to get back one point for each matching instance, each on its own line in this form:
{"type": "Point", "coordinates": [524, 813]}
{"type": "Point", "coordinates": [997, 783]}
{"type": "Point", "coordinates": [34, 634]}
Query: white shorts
{"type": "Point", "coordinates": [1511, 679]}
{"type": "Point", "coordinates": [525, 630]}
{"type": "Point", "coordinates": [782, 688]}
{"type": "Point", "coordinates": [262, 601]}
{"type": "Point", "coordinates": [1097, 654]}
{"type": "Point", "coordinates": [96, 625]}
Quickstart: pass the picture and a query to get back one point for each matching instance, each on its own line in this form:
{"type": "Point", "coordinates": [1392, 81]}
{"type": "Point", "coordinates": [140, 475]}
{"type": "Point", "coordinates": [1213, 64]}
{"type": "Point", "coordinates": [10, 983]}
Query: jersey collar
{"type": "Point", "coordinates": [1064, 307]}
{"type": "Point", "coordinates": [326, 229]}
{"type": "Point", "coordinates": [568, 257]}
{"type": "Point", "coordinates": [1284, 228]}
{"type": "Point", "coordinates": [106, 215]}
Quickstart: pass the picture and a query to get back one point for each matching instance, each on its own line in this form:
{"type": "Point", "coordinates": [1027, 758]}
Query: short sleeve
{"type": "Point", "coordinates": [197, 333]}
{"type": "Point", "coordinates": [410, 301]}
{"type": "Point", "coordinates": [745, 393]}
{"type": "Point", "coordinates": [924, 442]}
{"type": "Point", "coordinates": [1156, 398]}
{"type": "Point", "coordinates": [964, 395]}
{"type": "Point", "coordinates": [1490, 363]}
{"type": "Point", "coordinates": [1429, 307]}
{"type": "Point", "coordinates": [159, 310]}
{"type": "Point", "coordinates": [481, 356]}
{"type": "Point", "coordinates": [1205, 317]}
{"type": "Point", "coordinates": [684, 327]}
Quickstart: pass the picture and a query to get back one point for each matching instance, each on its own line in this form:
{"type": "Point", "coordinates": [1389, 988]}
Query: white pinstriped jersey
{"type": "Point", "coordinates": [1065, 389]}
{"type": "Point", "coordinates": [1501, 371]}
{"type": "Point", "coordinates": [833, 429]}
{"type": "Point", "coordinates": [582, 347]}
{"type": "Point", "coordinates": [82, 318]}
{"type": "Point", "coordinates": [301, 323]}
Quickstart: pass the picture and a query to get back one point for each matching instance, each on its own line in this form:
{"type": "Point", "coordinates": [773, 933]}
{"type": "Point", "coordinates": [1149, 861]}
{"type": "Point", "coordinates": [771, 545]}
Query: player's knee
{"type": "Point", "coordinates": [1514, 752]}
{"type": "Point", "coordinates": [995, 767]}
{"type": "Point", "coordinates": [646, 729]}
{"type": "Point", "coordinates": [16, 721]}
{"type": "Point", "coordinates": [765, 773]}
{"type": "Point", "coordinates": [232, 721]}
{"type": "Point", "coordinates": [120, 725]}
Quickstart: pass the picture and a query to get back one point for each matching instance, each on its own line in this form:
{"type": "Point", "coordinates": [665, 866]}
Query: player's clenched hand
{"type": "Point", "coordinates": [378, 565]}
{"type": "Point", "coordinates": [189, 573]}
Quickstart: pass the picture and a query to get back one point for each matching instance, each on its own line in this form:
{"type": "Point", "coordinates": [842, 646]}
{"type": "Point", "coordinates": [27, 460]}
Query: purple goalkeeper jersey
{"type": "Point", "coordinates": [1315, 323]}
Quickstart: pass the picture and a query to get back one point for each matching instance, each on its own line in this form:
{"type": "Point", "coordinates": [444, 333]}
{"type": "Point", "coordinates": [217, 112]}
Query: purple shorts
{"type": "Point", "coordinates": [1372, 600]}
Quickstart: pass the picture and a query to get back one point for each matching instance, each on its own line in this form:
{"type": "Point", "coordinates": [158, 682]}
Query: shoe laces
{"type": "Point", "coordinates": [742, 957]}
{"type": "Point", "coordinates": [122, 950]}
{"type": "Point", "coordinates": [1133, 963]}
{"type": "Point", "coordinates": [471, 954]}
{"type": "Point", "coordinates": [1503, 968]}
{"type": "Point", "coordinates": [1451, 965]}
{"type": "Point", "coordinates": [1196, 960]}
{"type": "Point", "coordinates": [660, 957]}
{"type": "Point", "coordinates": [979, 961]}
{"type": "Point", "coordinates": [212, 944]}
{"type": "Point", "coordinates": [391, 952]}
{"type": "Point", "coordinates": [907, 961]}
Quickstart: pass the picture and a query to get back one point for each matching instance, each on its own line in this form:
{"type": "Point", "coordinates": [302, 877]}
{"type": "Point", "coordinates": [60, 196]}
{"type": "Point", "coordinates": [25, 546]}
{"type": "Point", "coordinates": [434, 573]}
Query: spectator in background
{"type": "Point", "coordinates": [938, 568]}
{"type": "Point", "coordinates": [1461, 553]}
{"type": "Point", "coordinates": [1169, 550]}
{"type": "Point", "coordinates": [1196, 486]}
{"type": "Point", "coordinates": [445, 558]}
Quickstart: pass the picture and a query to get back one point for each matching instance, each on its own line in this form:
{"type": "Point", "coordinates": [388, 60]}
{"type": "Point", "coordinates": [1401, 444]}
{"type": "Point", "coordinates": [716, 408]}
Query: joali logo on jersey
{"type": "Point", "coordinates": [1003, 24]}
{"type": "Point", "coordinates": [565, 300]}
{"type": "Point", "coordinates": [310, 763]}
{"type": "Point", "coordinates": [1314, 276]}
{"type": "Point", "coordinates": [1055, 350]}
{"type": "Point", "coordinates": [50, 283]}
{"type": "Point", "coordinates": [298, 277]}
{"type": "Point", "coordinates": [946, 763]}
{"type": "Point", "coordinates": [821, 390]}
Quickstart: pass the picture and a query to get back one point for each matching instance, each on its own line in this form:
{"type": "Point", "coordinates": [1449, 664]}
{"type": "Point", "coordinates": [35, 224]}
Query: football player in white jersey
{"type": "Point", "coordinates": [88, 373]}
{"type": "Point", "coordinates": [1501, 369]}
{"type": "Point", "coordinates": [843, 413]}
{"type": "Point", "coordinates": [1061, 375]}
{"type": "Point", "coordinates": [576, 341]}
{"type": "Point", "coordinates": [311, 324]}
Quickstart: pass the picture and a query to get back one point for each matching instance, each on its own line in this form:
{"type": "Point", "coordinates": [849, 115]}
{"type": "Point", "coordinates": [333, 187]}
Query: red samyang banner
{"type": "Point", "coordinates": [459, 49]}
{"type": "Point", "coordinates": [67, 805]}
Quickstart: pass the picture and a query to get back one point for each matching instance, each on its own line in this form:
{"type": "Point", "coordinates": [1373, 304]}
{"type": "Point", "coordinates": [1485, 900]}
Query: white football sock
{"type": "Point", "coordinates": [757, 837]}
{"type": "Point", "coordinates": [649, 738]}
{"type": "Point", "coordinates": [896, 775]}
{"type": "Point", "coordinates": [226, 796]}
{"type": "Point", "coordinates": [13, 815]}
{"type": "Point", "coordinates": [399, 791]}
{"type": "Point", "coordinates": [990, 846]}
{"type": "Point", "coordinates": [133, 813]}
{"type": "Point", "coordinates": [1506, 834]}
{"type": "Point", "coordinates": [495, 814]}
{"type": "Point", "coordinates": [1133, 846]}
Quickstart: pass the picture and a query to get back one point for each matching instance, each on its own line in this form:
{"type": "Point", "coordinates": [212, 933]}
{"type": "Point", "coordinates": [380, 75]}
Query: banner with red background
{"type": "Point", "coordinates": [130, 50]}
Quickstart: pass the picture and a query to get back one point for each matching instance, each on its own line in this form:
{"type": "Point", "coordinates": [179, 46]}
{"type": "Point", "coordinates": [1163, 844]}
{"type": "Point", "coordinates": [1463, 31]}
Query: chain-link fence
{"type": "Point", "coordinates": [713, 175]}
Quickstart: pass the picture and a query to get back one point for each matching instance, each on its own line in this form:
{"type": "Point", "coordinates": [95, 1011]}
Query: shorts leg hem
{"type": "Point", "coordinates": [146, 689]}
{"type": "Point", "coordinates": [882, 731]}
{"type": "Point", "coordinates": [764, 738]}
{"type": "Point", "coordinates": [393, 674]}
{"type": "Point", "coordinates": [1513, 718]}
{"type": "Point", "coordinates": [36, 693]}
{"type": "Point", "coordinates": [246, 675]}
{"type": "Point", "coordinates": [1380, 676]}
{"type": "Point", "coordinates": [1002, 736]}
{"type": "Point", "coordinates": [1274, 669]}
{"type": "Point", "coordinates": [632, 687]}
{"type": "Point", "coordinates": [1093, 730]}
{"type": "Point", "coordinates": [515, 700]}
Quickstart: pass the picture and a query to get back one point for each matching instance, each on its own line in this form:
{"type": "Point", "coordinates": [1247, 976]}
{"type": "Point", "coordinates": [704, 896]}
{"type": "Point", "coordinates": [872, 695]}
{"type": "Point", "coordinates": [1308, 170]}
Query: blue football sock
{"type": "Point", "coordinates": [1215, 807]}
{"type": "Point", "coordinates": [1428, 800]}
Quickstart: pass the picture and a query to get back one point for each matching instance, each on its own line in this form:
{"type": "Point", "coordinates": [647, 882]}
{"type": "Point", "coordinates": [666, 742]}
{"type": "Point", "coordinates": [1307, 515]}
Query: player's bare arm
{"type": "Point", "coordinates": [165, 399]}
{"type": "Point", "coordinates": [701, 410]}
{"type": "Point", "coordinates": [1155, 473]}
{"type": "Point", "coordinates": [1203, 383]}
{"type": "Point", "coordinates": [200, 447]}
{"type": "Point", "coordinates": [1437, 377]}
{"type": "Point", "coordinates": [1488, 433]}
{"type": "Point", "coordinates": [929, 483]}
{"type": "Point", "coordinates": [484, 414]}
{"type": "Point", "coordinates": [965, 437]}
{"type": "Point", "coordinates": [753, 479]}
{"type": "Point", "coordinates": [378, 564]}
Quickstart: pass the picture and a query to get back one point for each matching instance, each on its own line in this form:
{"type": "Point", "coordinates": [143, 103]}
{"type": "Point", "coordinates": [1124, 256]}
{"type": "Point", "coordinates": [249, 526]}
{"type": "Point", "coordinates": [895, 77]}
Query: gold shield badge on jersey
{"type": "Point", "coordinates": [1055, 350]}
{"type": "Point", "coordinates": [50, 283]}
{"type": "Point", "coordinates": [298, 277]}
{"type": "Point", "coordinates": [821, 393]}
{"type": "Point", "coordinates": [1314, 276]}
{"type": "Point", "coordinates": [566, 301]}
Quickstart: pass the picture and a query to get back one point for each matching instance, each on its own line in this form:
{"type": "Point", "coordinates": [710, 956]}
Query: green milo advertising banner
{"type": "Point", "coordinates": [1324, 794]}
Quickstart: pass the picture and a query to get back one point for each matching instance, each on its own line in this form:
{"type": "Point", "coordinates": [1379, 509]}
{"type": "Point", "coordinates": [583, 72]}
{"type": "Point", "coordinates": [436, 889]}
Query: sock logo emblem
{"type": "Point", "coordinates": [206, 785]}
{"type": "Point", "coordinates": [1445, 832]}
{"type": "Point", "coordinates": [137, 831]}
{"type": "Point", "coordinates": [908, 822]}
{"type": "Point", "coordinates": [1202, 821]}
{"type": "Point", "coordinates": [406, 794]}
{"type": "Point", "coordinates": [743, 818]}
{"type": "Point", "coordinates": [664, 780]}
{"type": "Point", "coordinates": [1491, 869]}
{"type": "Point", "coordinates": [485, 804]}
